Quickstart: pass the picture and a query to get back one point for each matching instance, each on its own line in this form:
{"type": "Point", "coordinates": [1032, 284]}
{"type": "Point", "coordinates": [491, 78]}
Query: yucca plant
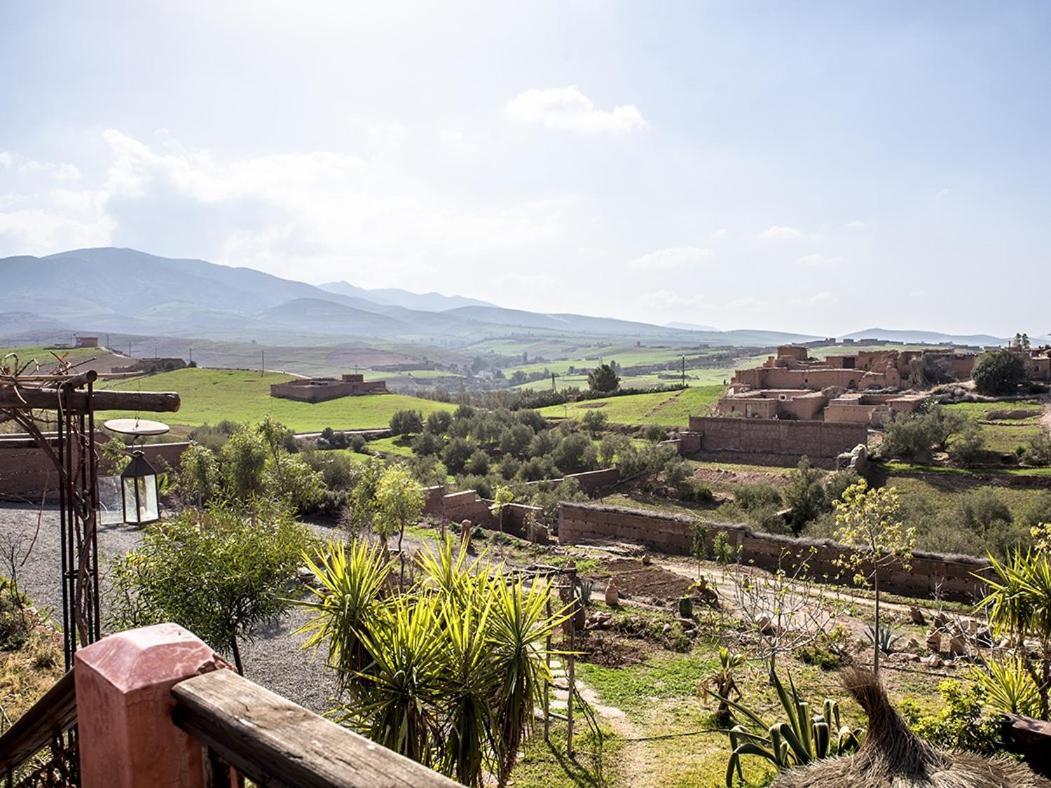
{"type": "Point", "coordinates": [723, 683]}
{"type": "Point", "coordinates": [883, 638]}
{"type": "Point", "coordinates": [801, 738]}
{"type": "Point", "coordinates": [1008, 686]}
{"type": "Point", "coordinates": [1019, 604]}
{"type": "Point", "coordinates": [348, 583]}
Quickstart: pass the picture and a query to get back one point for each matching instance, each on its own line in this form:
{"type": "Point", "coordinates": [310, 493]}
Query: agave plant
{"type": "Point", "coordinates": [883, 638]}
{"type": "Point", "coordinates": [801, 738]}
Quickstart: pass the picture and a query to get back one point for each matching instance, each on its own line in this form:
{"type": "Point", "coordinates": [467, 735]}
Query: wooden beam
{"type": "Point", "coordinates": [48, 399]}
{"type": "Point", "coordinates": [54, 713]}
{"type": "Point", "coordinates": [271, 740]}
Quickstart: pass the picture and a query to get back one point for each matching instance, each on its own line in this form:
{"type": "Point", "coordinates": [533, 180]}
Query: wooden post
{"type": "Point", "coordinates": [547, 689]}
{"type": "Point", "coordinates": [571, 682]}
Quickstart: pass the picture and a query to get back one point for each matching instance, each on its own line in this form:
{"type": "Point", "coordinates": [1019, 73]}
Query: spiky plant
{"type": "Point", "coordinates": [348, 583]}
{"type": "Point", "coordinates": [801, 738]}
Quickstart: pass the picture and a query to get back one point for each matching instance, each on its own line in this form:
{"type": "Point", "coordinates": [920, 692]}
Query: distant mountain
{"type": "Point", "coordinates": [690, 327]}
{"type": "Point", "coordinates": [424, 302]}
{"type": "Point", "coordinates": [925, 337]}
{"type": "Point", "coordinates": [127, 291]}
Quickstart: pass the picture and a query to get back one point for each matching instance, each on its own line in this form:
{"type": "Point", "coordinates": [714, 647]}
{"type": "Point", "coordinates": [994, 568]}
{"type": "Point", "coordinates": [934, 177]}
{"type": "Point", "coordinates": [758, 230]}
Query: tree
{"type": "Point", "coordinates": [217, 572]}
{"type": "Point", "coordinates": [242, 459]}
{"type": "Point", "coordinates": [594, 421]}
{"type": "Point", "coordinates": [870, 520]}
{"type": "Point", "coordinates": [603, 378]}
{"type": "Point", "coordinates": [361, 511]}
{"type": "Point", "coordinates": [805, 495]}
{"type": "Point", "coordinates": [405, 422]}
{"type": "Point", "coordinates": [399, 502]}
{"type": "Point", "coordinates": [456, 453]}
{"type": "Point", "coordinates": [198, 479]}
{"type": "Point", "coordinates": [914, 436]}
{"type": "Point", "coordinates": [439, 421]}
{"type": "Point", "coordinates": [575, 453]}
{"type": "Point", "coordinates": [998, 372]}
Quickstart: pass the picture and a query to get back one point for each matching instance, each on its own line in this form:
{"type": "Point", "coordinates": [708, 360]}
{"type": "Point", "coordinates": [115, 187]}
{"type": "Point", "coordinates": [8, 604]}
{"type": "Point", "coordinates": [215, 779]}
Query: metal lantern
{"type": "Point", "coordinates": [138, 491]}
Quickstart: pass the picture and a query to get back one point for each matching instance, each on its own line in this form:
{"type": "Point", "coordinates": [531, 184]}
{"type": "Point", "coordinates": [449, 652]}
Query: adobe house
{"type": "Point", "coordinates": [322, 389]}
{"type": "Point", "coordinates": [875, 410]}
{"type": "Point", "coordinates": [799, 404]}
{"type": "Point", "coordinates": [82, 341]}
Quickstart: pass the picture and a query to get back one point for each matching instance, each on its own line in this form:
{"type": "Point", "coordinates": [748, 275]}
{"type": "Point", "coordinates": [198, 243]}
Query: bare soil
{"type": "Point", "coordinates": [641, 580]}
{"type": "Point", "coordinates": [726, 476]}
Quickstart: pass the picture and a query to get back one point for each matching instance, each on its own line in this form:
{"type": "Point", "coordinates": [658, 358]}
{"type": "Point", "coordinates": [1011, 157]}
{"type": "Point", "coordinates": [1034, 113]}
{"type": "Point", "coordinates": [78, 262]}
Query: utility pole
{"type": "Point", "coordinates": [684, 371]}
{"type": "Point", "coordinates": [262, 363]}
{"type": "Point", "coordinates": [191, 354]}
{"type": "Point", "coordinates": [552, 381]}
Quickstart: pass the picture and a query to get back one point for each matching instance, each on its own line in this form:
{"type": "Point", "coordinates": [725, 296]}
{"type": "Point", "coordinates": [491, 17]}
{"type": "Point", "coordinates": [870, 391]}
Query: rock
{"type": "Point", "coordinates": [912, 645]}
{"type": "Point", "coordinates": [916, 616]}
{"type": "Point", "coordinates": [941, 621]}
{"type": "Point", "coordinates": [934, 642]}
{"type": "Point", "coordinates": [666, 629]}
{"type": "Point", "coordinates": [765, 626]}
{"type": "Point", "coordinates": [685, 607]}
{"type": "Point", "coordinates": [646, 560]}
{"type": "Point", "coordinates": [933, 661]}
{"type": "Point", "coordinates": [612, 594]}
{"type": "Point", "coordinates": [957, 645]}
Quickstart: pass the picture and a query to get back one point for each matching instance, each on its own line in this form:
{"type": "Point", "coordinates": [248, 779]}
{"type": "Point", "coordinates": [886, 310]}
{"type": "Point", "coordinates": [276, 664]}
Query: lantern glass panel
{"type": "Point", "coordinates": [140, 499]}
{"type": "Point", "coordinates": [111, 507]}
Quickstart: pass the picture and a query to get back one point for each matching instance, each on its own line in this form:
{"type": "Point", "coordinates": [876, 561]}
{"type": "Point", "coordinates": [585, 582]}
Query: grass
{"type": "Point", "coordinates": [211, 395]}
{"type": "Point", "coordinates": [1004, 435]}
{"type": "Point", "coordinates": [397, 446]}
{"type": "Point", "coordinates": [665, 408]}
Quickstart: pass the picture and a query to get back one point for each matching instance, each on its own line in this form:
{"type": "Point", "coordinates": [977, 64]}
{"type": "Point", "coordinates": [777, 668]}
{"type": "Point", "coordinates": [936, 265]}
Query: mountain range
{"type": "Point", "coordinates": [131, 292]}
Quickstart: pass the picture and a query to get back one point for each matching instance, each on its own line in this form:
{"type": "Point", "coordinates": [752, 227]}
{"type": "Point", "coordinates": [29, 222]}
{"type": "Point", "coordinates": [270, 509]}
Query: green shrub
{"type": "Point", "coordinates": [805, 495]}
{"type": "Point", "coordinates": [998, 372]}
{"type": "Point", "coordinates": [1038, 452]}
{"type": "Point", "coordinates": [478, 463]}
{"type": "Point", "coordinates": [960, 723]}
{"type": "Point", "coordinates": [914, 436]}
{"type": "Point", "coordinates": [405, 422]}
{"type": "Point", "coordinates": [755, 496]}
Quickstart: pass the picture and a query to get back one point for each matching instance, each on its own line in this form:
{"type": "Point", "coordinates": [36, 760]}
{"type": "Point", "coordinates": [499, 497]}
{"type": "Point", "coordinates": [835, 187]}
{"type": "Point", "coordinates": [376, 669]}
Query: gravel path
{"type": "Point", "coordinates": [273, 658]}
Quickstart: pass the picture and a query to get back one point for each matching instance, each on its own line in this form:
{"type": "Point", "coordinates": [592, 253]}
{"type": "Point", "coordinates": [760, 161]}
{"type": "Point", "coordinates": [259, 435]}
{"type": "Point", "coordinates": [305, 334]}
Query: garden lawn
{"type": "Point", "coordinates": [1002, 435]}
{"type": "Point", "coordinates": [665, 408]}
{"type": "Point", "coordinates": [212, 395]}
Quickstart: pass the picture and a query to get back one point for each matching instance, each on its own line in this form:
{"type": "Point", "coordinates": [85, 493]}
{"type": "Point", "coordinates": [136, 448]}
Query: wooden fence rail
{"type": "Point", "coordinates": [47, 723]}
{"type": "Point", "coordinates": [273, 741]}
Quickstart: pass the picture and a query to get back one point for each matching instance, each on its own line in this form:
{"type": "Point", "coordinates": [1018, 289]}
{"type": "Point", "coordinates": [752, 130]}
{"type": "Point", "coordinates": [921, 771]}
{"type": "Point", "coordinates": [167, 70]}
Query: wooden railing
{"type": "Point", "coordinates": [49, 723]}
{"type": "Point", "coordinates": [272, 741]}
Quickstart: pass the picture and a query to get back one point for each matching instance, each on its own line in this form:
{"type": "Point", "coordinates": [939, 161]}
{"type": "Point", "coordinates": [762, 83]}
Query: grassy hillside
{"type": "Point", "coordinates": [667, 408]}
{"type": "Point", "coordinates": [211, 395]}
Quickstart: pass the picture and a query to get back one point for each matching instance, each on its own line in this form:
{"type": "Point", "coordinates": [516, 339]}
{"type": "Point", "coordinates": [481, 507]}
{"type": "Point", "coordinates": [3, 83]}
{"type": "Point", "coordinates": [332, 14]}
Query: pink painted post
{"type": "Point", "coordinates": [124, 708]}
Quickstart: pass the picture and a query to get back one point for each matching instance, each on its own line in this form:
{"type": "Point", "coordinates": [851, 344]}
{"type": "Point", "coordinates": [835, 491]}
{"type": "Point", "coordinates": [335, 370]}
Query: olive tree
{"type": "Point", "coordinates": [399, 502]}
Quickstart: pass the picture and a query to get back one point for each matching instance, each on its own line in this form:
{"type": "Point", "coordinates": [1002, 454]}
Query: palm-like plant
{"type": "Point", "coordinates": [447, 673]}
{"type": "Point", "coordinates": [1008, 686]}
{"type": "Point", "coordinates": [1019, 604]}
{"type": "Point", "coordinates": [348, 583]}
{"type": "Point", "coordinates": [883, 638]}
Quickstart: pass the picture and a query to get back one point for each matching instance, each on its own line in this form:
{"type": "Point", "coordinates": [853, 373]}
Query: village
{"type": "Point", "coordinates": [716, 533]}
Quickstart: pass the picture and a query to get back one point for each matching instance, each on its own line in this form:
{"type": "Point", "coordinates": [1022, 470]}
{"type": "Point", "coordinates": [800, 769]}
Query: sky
{"type": "Point", "coordinates": [819, 167]}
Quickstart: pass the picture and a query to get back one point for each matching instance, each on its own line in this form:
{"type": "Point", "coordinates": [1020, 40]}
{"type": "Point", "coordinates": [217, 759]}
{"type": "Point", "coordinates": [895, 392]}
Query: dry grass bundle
{"type": "Point", "coordinates": [892, 756]}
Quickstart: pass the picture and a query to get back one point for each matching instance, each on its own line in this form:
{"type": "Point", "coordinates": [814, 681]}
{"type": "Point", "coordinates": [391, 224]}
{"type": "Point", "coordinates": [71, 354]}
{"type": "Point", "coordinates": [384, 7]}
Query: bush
{"type": "Point", "coordinates": [805, 495]}
{"type": "Point", "coordinates": [755, 496]}
{"type": "Point", "coordinates": [214, 436]}
{"type": "Point", "coordinates": [594, 421]}
{"type": "Point", "coordinates": [983, 514]}
{"type": "Point", "coordinates": [14, 624]}
{"type": "Point", "coordinates": [998, 372]}
{"type": "Point", "coordinates": [405, 422]}
{"type": "Point", "coordinates": [1038, 510]}
{"type": "Point", "coordinates": [218, 573]}
{"type": "Point", "coordinates": [967, 445]}
{"type": "Point", "coordinates": [456, 454]}
{"type": "Point", "coordinates": [426, 443]}
{"type": "Point", "coordinates": [838, 482]}
{"type": "Point", "coordinates": [439, 421]}
{"type": "Point", "coordinates": [357, 443]}
{"type": "Point", "coordinates": [655, 433]}
{"type": "Point", "coordinates": [1038, 452]}
{"type": "Point", "coordinates": [913, 436]}
{"type": "Point", "coordinates": [959, 724]}
{"type": "Point", "coordinates": [478, 463]}
{"type": "Point", "coordinates": [198, 477]}
{"type": "Point", "coordinates": [575, 453]}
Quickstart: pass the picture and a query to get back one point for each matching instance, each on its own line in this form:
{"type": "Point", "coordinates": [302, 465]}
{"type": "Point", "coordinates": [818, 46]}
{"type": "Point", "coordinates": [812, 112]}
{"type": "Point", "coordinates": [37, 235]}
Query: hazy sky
{"type": "Point", "coordinates": [820, 167]}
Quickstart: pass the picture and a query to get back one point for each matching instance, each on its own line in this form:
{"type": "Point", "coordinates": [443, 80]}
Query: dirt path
{"type": "Point", "coordinates": [1045, 420]}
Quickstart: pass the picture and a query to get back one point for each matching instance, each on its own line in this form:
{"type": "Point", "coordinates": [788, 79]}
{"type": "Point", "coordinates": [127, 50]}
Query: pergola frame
{"type": "Point", "coordinates": [73, 452]}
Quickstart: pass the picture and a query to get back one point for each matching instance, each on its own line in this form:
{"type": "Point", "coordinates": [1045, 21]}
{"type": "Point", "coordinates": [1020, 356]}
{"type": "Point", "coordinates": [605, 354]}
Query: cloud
{"type": "Point", "coordinates": [856, 224]}
{"type": "Point", "coordinates": [818, 261]}
{"type": "Point", "coordinates": [667, 259]}
{"type": "Point", "coordinates": [309, 215]}
{"type": "Point", "coordinates": [720, 234]}
{"type": "Point", "coordinates": [942, 194]}
{"type": "Point", "coordinates": [781, 233]}
{"type": "Point", "coordinates": [568, 109]}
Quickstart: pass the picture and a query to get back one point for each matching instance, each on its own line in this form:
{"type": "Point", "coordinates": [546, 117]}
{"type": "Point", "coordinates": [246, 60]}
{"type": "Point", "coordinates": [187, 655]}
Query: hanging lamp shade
{"type": "Point", "coordinates": [139, 491]}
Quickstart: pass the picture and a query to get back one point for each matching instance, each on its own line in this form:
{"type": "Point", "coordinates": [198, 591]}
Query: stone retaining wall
{"type": "Point", "coordinates": [931, 574]}
{"type": "Point", "coordinates": [773, 441]}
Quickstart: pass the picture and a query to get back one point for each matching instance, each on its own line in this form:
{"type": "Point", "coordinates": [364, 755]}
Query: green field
{"type": "Point", "coordinates": [666, 408]}
{"type": "Point", "coordinates": [1002, 435]}
{"type": "Point", "coordinates": [211, 395]}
